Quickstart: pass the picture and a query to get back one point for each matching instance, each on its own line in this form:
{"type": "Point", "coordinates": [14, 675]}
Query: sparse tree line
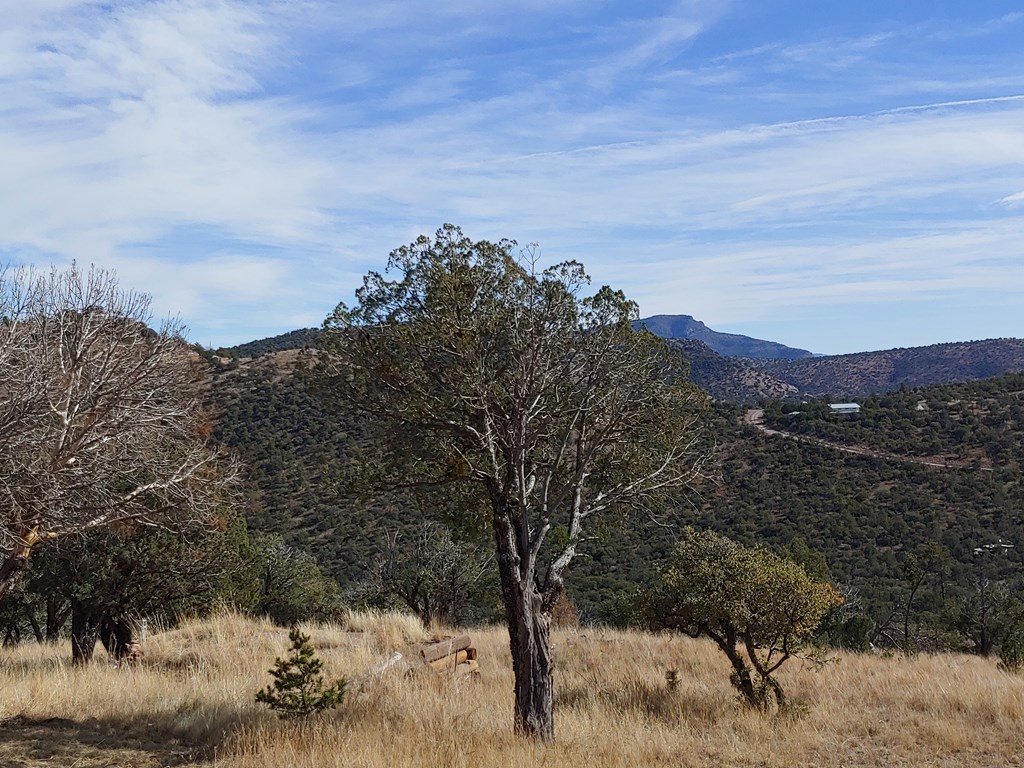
{"type": "Point", "coordinates": [97, 588]}
{"type": "Point", "coordinates": [113, 501]}
{"type": "Point", "coordinates": [506, 399]}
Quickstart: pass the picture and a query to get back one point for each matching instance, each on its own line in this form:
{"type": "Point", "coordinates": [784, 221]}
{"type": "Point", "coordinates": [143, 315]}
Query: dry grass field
{"type": "Point", "coordinates": [191, 702]}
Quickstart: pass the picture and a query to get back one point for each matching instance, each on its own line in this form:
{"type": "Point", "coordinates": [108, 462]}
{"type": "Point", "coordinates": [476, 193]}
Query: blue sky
{"type": "Point", "coordinates": [837, 176]}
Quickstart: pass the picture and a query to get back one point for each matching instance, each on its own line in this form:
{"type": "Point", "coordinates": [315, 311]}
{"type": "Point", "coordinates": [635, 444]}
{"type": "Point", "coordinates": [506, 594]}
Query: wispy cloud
{"type": "Point", "coordinates": [247, 161]}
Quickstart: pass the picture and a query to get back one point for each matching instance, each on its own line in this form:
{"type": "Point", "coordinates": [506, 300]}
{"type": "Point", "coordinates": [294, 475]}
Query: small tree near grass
{"type": "Point", "coordinates": [298, 688]}
{"type": "Point", "coordinates": [759, 608]}
{"type": "Point", "coordinates": [1011, 650]}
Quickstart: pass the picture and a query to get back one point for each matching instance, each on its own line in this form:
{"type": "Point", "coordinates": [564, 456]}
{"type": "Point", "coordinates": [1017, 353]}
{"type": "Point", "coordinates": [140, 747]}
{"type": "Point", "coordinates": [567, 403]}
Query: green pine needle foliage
{"type": "Point", "coordinates": [298, 687]}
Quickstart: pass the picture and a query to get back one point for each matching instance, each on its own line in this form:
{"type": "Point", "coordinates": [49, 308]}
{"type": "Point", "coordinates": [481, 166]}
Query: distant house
{"type": "Point", "coordinates": [845, 409]}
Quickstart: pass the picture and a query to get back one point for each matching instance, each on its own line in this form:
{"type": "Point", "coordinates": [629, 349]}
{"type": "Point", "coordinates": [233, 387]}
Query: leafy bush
{"type": "Point", "coordinates": [298, 687]}
{"type": "Point", "coordinates": [292, 586]}
{"type": "Point", "coordinates": [1011, 651]}
{"type": "Point", "coordinates": [759, 608]}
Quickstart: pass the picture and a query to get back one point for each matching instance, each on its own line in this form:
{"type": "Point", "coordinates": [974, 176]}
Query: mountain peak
{"type": "Point", "coordinates": [729, 344]}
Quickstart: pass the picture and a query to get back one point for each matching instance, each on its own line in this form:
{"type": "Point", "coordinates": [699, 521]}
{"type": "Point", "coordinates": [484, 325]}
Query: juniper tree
{"type": "Point", "coordinates": [759, 608]}
{"type": "Point", "coordinates": [526, 395]}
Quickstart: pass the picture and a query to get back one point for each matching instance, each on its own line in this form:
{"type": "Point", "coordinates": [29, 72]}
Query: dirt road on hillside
{"type": "Point", "coordinates": [754, 417]}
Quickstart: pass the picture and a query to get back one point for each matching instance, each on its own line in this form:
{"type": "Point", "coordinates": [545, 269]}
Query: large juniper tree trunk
{"type": "Point", "coordinates": [529, 627]}
{"type": "Point", "coordinates": [528, 630]}
{"type": "Point", "coordinates": [85, 632]}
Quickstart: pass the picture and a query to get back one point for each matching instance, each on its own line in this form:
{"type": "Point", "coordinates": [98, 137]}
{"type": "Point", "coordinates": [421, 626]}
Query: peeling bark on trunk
{"type": "Point", "coordinates": [529, 626]}
{"type": "Point", "coordinates": [529, 639]}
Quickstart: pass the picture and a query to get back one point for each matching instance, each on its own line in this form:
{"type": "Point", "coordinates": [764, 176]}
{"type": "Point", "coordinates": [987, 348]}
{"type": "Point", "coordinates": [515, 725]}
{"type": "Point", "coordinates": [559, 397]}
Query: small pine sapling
{"type": "Point", "coordinates": [298, 687]}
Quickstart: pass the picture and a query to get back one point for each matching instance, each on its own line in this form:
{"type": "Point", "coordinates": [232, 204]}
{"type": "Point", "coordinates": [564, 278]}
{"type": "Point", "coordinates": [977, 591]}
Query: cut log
{"type": "Point", "coordinates": [446, 648]}
{"type": "Point", "coordinates": [469, 668]}
{"type": "Point", "coordinates": [448, 662]}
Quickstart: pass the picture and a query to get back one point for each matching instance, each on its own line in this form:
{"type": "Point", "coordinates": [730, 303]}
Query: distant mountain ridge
{"type": "Point", "coordinates": [868, 373]}
{"type": "Point", "coordinates": [728, 344]}
{"type": "Point", "coordinates": [740, 369]}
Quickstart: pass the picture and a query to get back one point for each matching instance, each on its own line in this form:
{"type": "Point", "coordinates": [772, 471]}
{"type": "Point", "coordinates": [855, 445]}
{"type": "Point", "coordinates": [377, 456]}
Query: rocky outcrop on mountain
{"type": "Point", "coordinates": [729, 344]}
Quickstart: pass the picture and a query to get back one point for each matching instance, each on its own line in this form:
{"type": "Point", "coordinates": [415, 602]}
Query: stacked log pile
{"type": "Point", "coordinates": [453, 656]}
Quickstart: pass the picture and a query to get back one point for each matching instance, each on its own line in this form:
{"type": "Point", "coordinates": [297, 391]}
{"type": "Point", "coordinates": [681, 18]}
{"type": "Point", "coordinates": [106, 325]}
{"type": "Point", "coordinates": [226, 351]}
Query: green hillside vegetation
{"type": "Point", "coordinates": [730, 379]}
{"type": "Point", "coordinates": [294, 451]}
{"type": "Point", "coordinates": [866, 515]}
{"type": "Point", "coordinates": [298, 339]}
{"type": "Point", "coordinates": [974, 422]}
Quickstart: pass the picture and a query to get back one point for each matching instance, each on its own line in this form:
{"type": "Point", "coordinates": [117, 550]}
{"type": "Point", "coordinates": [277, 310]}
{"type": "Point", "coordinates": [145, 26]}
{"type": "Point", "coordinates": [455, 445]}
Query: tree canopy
{"type": "Point", "coordinates": [759, 608]}
{"type": "Point", "coordinates": [101, 418]}
{"type": "Point", "coordinates": [531, 402]}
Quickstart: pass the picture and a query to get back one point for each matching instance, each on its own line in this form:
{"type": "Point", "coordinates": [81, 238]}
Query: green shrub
{"type": "Point", "coordinates": [759, 608]}
{"type": "Point", "coordinates": [298, 687]}
{"type": "Point", "coordinates": [1011, 651]}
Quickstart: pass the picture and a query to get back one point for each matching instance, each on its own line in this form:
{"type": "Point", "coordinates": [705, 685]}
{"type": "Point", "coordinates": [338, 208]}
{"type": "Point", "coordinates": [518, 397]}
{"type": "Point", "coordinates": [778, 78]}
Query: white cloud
{"type": "Point", "coordinates": [284, 147]}
{"type": "Point", "coordinates": [126, 123]}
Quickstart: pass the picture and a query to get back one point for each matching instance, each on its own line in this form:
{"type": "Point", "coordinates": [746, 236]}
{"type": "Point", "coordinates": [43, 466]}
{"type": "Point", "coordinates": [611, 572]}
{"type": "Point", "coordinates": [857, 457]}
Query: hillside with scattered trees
{"type": "Point", "coordinates": [866, 516]}
{"type": "Point", "coordinates": [867, 373]}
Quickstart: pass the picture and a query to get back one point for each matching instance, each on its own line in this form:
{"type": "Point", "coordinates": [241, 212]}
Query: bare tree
{"type": "Point", "coordinates": [505, 383]}
{"type": "Point", "coordinates": [430, 571]}
{"type": "Point", "coordinates": [101, 418]}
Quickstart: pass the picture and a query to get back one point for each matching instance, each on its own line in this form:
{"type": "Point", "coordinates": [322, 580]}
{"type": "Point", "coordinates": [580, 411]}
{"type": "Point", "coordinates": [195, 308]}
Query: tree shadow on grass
{"type": "Point", "coordinates": [28, 743]}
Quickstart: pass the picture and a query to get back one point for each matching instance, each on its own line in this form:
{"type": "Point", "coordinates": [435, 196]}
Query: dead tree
{"type": "Point", "coordinates": [101, 418]}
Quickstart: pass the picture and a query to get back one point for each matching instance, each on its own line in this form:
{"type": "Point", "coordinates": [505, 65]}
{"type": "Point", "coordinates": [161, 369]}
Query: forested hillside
{"type": "Point", "coordinates": [294, 451]}
{"type": "Point", "coordinates": [864, 514]}
{"type": "Point", "coordinates": [866, 373]}
{"type": "Point", "coordinates": [977, 422]}
{"type": "Point", "coordinates": [730, 379]}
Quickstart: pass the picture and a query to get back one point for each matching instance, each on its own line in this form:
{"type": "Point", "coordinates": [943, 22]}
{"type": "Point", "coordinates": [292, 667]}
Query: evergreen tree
{"type": "Point", "coordinates": [298, 687]}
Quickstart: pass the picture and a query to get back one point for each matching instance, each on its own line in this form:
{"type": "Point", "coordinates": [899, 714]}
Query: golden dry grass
{"type": "Point", "coordinates": [192, 701]}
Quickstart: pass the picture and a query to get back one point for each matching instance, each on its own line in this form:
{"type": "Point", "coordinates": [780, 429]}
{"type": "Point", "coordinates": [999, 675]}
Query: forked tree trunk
{"type": "Point", "coordinates": [529, 640]}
